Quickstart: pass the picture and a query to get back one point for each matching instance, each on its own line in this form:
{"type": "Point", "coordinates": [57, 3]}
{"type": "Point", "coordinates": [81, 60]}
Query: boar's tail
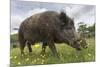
{"type": "Point", "coordinates": [22, 41]}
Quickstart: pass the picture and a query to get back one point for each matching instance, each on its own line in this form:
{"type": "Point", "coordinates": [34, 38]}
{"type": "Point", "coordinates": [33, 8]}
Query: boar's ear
{"type": "Point", "coordinates": [63, 17]}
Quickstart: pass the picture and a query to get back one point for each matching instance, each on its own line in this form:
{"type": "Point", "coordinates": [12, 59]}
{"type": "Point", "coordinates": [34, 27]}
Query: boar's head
{"type": "Point", "coordinates": [69, 35]}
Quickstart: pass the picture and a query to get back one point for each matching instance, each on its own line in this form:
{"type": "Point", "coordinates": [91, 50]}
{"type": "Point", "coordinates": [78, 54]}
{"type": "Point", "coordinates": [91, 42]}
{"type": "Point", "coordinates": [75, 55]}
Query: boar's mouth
{"type": "Point", "coordinates": [80, 44]}
{"type": "Point", "coordinates": [77, 45]}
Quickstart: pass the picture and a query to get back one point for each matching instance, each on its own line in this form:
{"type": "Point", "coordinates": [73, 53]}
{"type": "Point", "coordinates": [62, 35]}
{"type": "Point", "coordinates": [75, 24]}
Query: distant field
{"type": "Point", "coordinates": [67, 55]}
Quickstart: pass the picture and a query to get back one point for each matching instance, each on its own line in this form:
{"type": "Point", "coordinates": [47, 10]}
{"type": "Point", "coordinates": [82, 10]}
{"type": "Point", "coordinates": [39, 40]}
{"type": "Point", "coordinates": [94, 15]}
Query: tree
{"type": "Point", "coordinates": [86, 31]}
{"type": "Point", "coordinates": [91, 30]}
{"type": "Point", "coordinates": [82, 28]}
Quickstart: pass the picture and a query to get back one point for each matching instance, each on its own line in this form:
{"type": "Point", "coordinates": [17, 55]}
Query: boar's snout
{"type": "Point", "coordinates": [76, 45]}
{"type": "Point", "coordinates": [81, 43]}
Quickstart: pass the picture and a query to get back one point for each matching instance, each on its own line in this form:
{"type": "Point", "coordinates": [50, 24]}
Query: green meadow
{"type": "Point", "coordinates": [67, 55]}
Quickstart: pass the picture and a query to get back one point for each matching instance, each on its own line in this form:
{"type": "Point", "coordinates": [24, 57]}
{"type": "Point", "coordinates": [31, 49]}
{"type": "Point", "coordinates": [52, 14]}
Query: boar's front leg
{"type": "Point", "coordinates": [29, 46]}
{"type": "Point", "coordinates": [44, 47]}
{"type": "Point", "coordinates": [53, 49]}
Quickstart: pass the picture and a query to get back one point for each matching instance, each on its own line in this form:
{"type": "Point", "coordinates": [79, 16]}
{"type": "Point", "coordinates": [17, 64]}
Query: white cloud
{"type": "Point", "coordinates": [17, 20]}
{"type": "Point", "coordinates": [81, 13]}
{"type": "Point", "coordinates": [73, 10]}
{"type": "Point", "coordinates": [35, 11]}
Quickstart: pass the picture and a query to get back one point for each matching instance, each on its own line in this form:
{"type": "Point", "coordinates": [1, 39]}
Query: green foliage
{"type": "Point", "coordinates": [14, 40]}
{"type": "Point", "coordinates": [66, 53]}
{"type": "Point", "coordinates": [91, 30]}
{"type": "Point", "coordinates": [86, 31]}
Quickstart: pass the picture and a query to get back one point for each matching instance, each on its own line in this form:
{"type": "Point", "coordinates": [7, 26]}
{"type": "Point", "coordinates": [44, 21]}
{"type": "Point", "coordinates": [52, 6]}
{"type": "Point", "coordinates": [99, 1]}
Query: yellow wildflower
{"type": "Point", "coordinates": [76, 56]}
{"type": "Point", "coordinates": [42, 55]}
{"type": "Point", "coordinates": [42, 62]}
{"type": "Point", "coordinates": [19, 63]}
{"type": "Point", "coordinates": [27, 59]}
{"type": "Point", "coordinates": [89, 54]}
{"type": "Point", "coordinates": [15, 57]}
{"type": "Point", "coordinates": [35, 60]}
{"type": "Point", "coordinates": [37, 45]}
{"type": "Point", "coordinates": [80, 40]}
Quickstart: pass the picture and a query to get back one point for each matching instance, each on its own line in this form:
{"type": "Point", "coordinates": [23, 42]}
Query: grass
{"type": "Point", "coordinates": [66, 53]}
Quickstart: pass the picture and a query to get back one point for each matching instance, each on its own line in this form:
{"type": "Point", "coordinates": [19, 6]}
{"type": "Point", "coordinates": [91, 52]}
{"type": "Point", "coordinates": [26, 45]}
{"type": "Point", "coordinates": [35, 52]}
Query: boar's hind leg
{"type": "Point", "coordinates": [53, 49]}
{"type": "Point", "coordinates": [29, 47]}
{"type": "Point", "coordinates": [44, 47]}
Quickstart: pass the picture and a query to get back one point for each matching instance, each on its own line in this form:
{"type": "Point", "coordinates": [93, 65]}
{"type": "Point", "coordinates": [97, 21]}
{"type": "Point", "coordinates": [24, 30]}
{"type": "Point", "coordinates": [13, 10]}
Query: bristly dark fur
{"type": "Point", "coordinates": [64, 18]}
{"type": "Point", "coordinates": [47, 27]}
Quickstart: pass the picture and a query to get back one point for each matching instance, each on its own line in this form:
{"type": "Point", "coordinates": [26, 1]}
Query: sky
{"type": "Point", "coordinates": [20, 10]}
